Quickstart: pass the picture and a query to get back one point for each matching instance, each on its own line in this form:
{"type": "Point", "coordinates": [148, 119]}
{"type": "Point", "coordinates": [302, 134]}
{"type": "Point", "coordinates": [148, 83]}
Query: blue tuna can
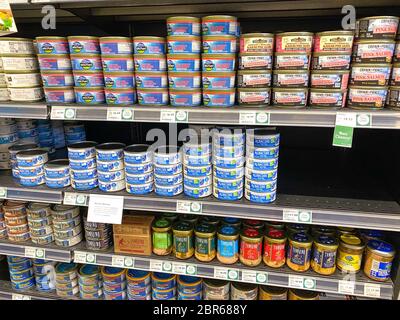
{"type": "Point", "coordinates": [138, 154]}
{"type": "Point", "coordinates": [228, 184]}
{"type": "Point", "coordinates": [229, 195]}
{"type": "Point", "coordinates": [163, 281]}
{"type": "Point", "coordinates": [31, 158]}
{"type": "Point", "coordinates": [218, 25]}
{"type": "Point", "coordinates": [139, 179]}
{"type": "Point", "coordinates": [184, 80]}
{"type": "Point", "coordinates": [198, 171]}
{"type": "Point", "coordinates": [139, 189]}
{"type": "Point", "coordinates": [149, 45]}
{"type": "Point", "coordinates": [168, 180]}
{"type": "Point", "coordinates": [168, 191]}
{"type": "Point", "coordinates": [116, 45]}
{"type": "Point", "coordinates": [263, 153]}
{"type": "Point", "coordinates": [27, 133]}
{"type": "Point", "coordinates": [94, 95]}
{"type": "Point", "coordinates": [21, 275]}
{"type": "Point", "coordinates": [228, 136]}
{"type": "Point", "coordinates": [218, 62]}
{"type": "Point", "coordinates": [84, 150]}
{"type": "Point", "coordinates": [79, 175]}
{"type": "Point", "coordinates": [198, 149]}
{"type": "Point", "coordinates": [183, 26]}
{"type": "Point", "coordinates": [229, 151]}
{"type": "Point", "coordinates": [219, 98]}
{"type": "Point", "coordinates": [262, 138]}
{"type": "Point", "coordinates": [57, 169]}
{"type": "Point", "coordinates": [119, 80]}
{"type": "Point", "coordinates": [260, 187]}
{"type": "Point", "coordinates": [139, 168]}
{"type": "Point", "coordinates": [32, 181]}
{"type": "Point", "coordinates": [228, 163]}
{"type": "Point", "coordinates": [110, 151]}
{"type": "Point", "coordinates": [112, 186]}
{"type": "Point", "coordinates": [84, 184]}
{"type": "Point", "coordinates": [45, 283]}
{"type": "Point", "coordinates": [197, 161]}
{"type": "Point", "coordinates": [200, 192]}
{"type": "Point", "coordinates": [58, 183]}
{"type": "Point", "coordinates": [261, 176]}
{"type": "Point", "coordinates": [163, 294]}
{"type": "Point", "coordinates": [228, 173]}
{"type": "Point", "coordinates": [24, 284]}
{"type": "Point", "coordinates": [262, 165]}
{"type": "Point", "coordinates": [153, 96]}
{"type": "Point", "coordinates": [86, 62]}
{"type": "Point", "coordinates": [88, 79]}
{"type": "Point", "coordinates": [167, 155]}
{"type": "Point", "coordinates": [27, 172]}
{"type": "Point", "coordinates": [184, 44]}
{"type": "Point", "coordinates": [82, 164]}
{"type": "Point", "coordinates": [196, 296]}
{"type": "Point", "coordinates": [84, 44]}
{"type": "Point", "coordinates": [105, 176]}
{"type": "Point", "coordinates": [151, 79]}
{"type": "Point", "coordinates": [266, 197]}
{"type": "Point", "coordinates": [167, 170]}
{"type": "Point", "coordinates": [185, 97]}
{"type": "Point", "coordinates": [197, 182]}
{"type": "Point", "coordinates": [138, 279]}
{"type": "Point", "coordinates": [120, 96]}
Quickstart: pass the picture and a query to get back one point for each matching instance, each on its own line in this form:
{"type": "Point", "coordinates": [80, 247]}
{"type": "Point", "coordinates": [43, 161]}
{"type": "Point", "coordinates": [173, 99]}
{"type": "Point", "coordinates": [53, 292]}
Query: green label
{"type": "Point", "coordinates": [343, 136]}
{"type": "Point", "coordinates": [204, 245]}
{"type": "Point", "coordinates": [162, 240]}
{"type": "Point", "coordinates": [183, 244]}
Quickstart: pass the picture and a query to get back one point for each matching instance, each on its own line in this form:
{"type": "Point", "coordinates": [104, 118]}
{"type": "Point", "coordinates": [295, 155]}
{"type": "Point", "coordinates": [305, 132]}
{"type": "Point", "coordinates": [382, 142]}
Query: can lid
{"type": "Point", "coordinates": [44, 38]}
{"type": "Point", "coordinates": [83, 37]}
{"type": "Point", "coordinates": [336, 33]}
{"type": "Point", "coordinates": [110, 146]}
{"type": "Point", "coordinates": [57, 163]}
{"type": "Point", "coordinates": [381, 247]}
{"type": "Point", "coordinates": [112, 270]}
{"type": "Point", "coordinates": [133, 273]}
{"type": "Point", "coordinates": [305, 294]}
{"type": "Point", "coordinates": [326, 240]}
{"type": "Point", "coordinates": [187, 280]}
{"type": "Point", "coordinates": [257, 34]}
{"type": "Point", "coordinates": [300, 237]}
{"type": "Point", "coordinates": [162, 223]}
{"type": "Point", "coordinates": [195, 19]}
{"type": "Point", "coordinates": [227, 230]}
{"type": "Point", "coordinates": [274, 290]}
{"type": "Point", "coordinates": [368, 87]}
{"type": "Point", "coordinates": [89, 270]}
{"type": "Point", "coordinates": [137, 148]}
{"type": "Point", "coordinates": [241, 72]}
{"type": "Point", "coordinates": [296, 33]}
{"type": "Point", "coordinates": [31, 152]}
{"type": "Point", "coordinates": [82, 145]}
{"type": "Point", "coordinates": [65, 267]}
{"type": "Point", "coordinates": [351, 241]}
{"type": "Point", "coordinates": [275, 234]}
{"type": "Point", "coordinates": [368, 65]}
{"type": "Point", "coordinates": [375, 41]}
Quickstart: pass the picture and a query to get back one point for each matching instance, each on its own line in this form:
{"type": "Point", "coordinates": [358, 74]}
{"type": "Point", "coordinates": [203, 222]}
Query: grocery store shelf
{"type": "Point", "coordinates": [381, 119]}
{"type": "Point", "coordinates": [24, 110]}
{"type": "Point", "coordinates": [8, 293]}
{"type": "Point", "coordinates": [31, 250]}
{"type": "Point", "coordinates": [358, 285]}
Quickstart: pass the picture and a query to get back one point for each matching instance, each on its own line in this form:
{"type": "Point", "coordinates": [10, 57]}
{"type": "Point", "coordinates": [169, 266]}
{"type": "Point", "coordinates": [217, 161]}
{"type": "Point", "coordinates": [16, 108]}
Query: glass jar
{"type": "Point", "coordinates": [162, 237]}
{"type": "Point", "coordinates": [367, 235]}
{"type": "Point", "coordinates": [296, 228]}
{"type": "Point", "coordinates": [350, 253]}
{"type": "Point", "coordinates": [205, 242]}
{"type": "Point", "coordinates": [183, 240]}
{"type": "Point", "coordinates": [250, 247]}
{"type": "Point", "coordinates": [299, 252]}
{"type": "Point", "coordinates": [191, 218]}
{"type": "Point", "coordinates": [170, 216]}
{"type": "Point", "coordinates": [344, 230]}
{"type": "Point", "coordinates": [274, 225]}
{"type": "Point", "coordinates": [378, 260]}
{"type": "Point", "coordinates": [273, 293]}
{"type": "Point", "coordinates": [274, 248]}
{"type": "Point", "coordinates": [234, 222]}
{"type": "Point", "coordinates": [323, 231]}
{"type": "Point", "coordinates": [228, 244]}
{"type": "Point", "coordinates": [256, 224]}
{"type": "Point", "coordinates": [296, 294]}
{"type": "Point", "coordinates": [210, 220]}
{"type": "Point", "coordinates": [324, 255]}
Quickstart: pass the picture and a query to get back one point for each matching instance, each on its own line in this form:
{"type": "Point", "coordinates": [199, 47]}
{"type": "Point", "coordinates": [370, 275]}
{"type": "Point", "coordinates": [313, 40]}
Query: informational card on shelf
{"type": "Point", "coordinates": [7, 22]}
{"type": "Point", "coordinates": [105, 209]}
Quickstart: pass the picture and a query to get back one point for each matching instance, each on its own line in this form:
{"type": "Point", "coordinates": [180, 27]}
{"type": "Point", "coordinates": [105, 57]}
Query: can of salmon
{"type": "Point", "coordinates": [395, 76]}
{"type": "Point", "coordinates": [119, 80]}
{"type": "Point", "coordinates": [330, 79]}
{"type": "Point", "coordinates": [54, 62]}
{"type": "Point", "coordinates": [22, 79]}
{"type": "Point", "coordinates": [138, 154]}
{"type": "Point", "coordinates": [218, 62]}
{"type": "Point", "coordinates": [373, 51]}
{"type": "Point", "coordinates": [260, 187]}
{"type": "Point", "coordinates": [88, 79]}
{"type": "Point", "coordinates": [153, 96]}
{"type": "Point", "coordinates": [331, 61]}
{"type": "Point", "coordinates": [393, 98]}
{"type": "Point", "coordinates": [168, 191]}
{"type": "Point", "coordinates": [254, 96]}
{"type": "Point", "coordinates": [185, 97]}
{"type": "Point", "coordinates": [219, 98]}
{"type": "Point", "coordinates": [29, 158]}
{"type": "Point", "coordinates": [110, 151]}
{"type": "Point", "coordinates": [197, 182]}
{"type": "Point", "coordinates": [112, 176]}
{"type": "Point", "coordinates": [227, 195]}
{"type": "Point", "coordinates": [219, 44]}
{"type": "Point", "coordinates": [79, 175]}
{"type": "Point", "coordinates": [86, 62]}
{"type": "Point", "coordinates": [183, 44]}
{"type": "Point", "coordinates": [261, 176]}
{"type": "Point", "coordinates": [183, 25]}
{"type": "Point", "coordinates": [290, 78]}
{"type": "Point", "coordinates": [26, 94]}
{"type": "Point", "coordinates": [218, 80]}
{"type": "Point", "coordinates": [26, 172]}
{"type": "Point", "coordinates": [120, 96]}
{"type": "Point", "coordinates": [164, 181]}
{"type": "Point", "coordinates": [110, 165]}
{"type": "Point", "coordinates": [93, 95]}
{"type": "Point", "coordinates": [139, 189]}
{"type": "Point", "coordinates": [257, 42]}
{"type": "Point", "coordinates": [116, 45]}
{"type": "Point", "coordinates": [52, 45]}
{"type": "Point", "coordinates": [219, 25]}
{"type": "Point", "coordinates": [84, 184]}
{"type": "Point", "coordinates": [157, 79]}
{"type": "Point", "coordinates": [334, 41]}
{"type": "Point", "coordinates": [228, 184]}
{"type": "Point", "coordinates": [84, 150]}
{"type": "Point", "coordinates": [367, 97]}
{"type": "Point", "coordinates": [290, 97]}
{"type": "Point", "coordinates": [363, 74]}
{"type": "Point", "coordinates": [59, 94]}
{"type": "Point", "coordinates": [16, 46]}
{"type": "Point", "coordinates": [294, 42]}
{"type": "Point", "coordinates": [149, 62]}
{"type": "Point", "coordinates": [255, 61]}
{"type": "Point", "coordinates": [32, 181]}
{"type": "Point", "coordinates": [378, 27]}
{"type": "Point", "coordinates": [184, 80]}
{"type": "Point", "coordinates": [149, 45]}
{"type": "Point", "coordinates": [328, 98]}
{"type": "Point", "coordinates": [57, 78]}
{"type": "Point", "coordinates": [138, 179]}
{"type": "Point", "coordinates": [117, 63]}
{"type": "Point", "coordinates": [183, 62]}
{"type": "Point", "coordinates": [83, 44]}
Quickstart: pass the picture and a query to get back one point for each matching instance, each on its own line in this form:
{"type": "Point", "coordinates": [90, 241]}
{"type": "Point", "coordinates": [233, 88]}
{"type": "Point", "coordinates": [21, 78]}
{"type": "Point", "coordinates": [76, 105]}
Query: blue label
{"type": "Point", "coordinates": [261, 197]}
{"type": "Point", "coordinates": [117, 65]}
{"type": "Point", "coordinates": [54, 174]}
{"type": "Point", "coordinates": [169, 191]}
{"type": "Point", "coordinates": [197, 192]}
{"type": "Point", "coordinates": [86, 64]}
{"type": "Point", "coordinates": [183, 82]}
{"type": "Point", "coordinates": [79, 47]}
{"type": "Point", "coordinates": [30, 171]}
{"type": "Point", "coordinates": [266, 186]}
{"type": "Point", "coordinates": [110, 165]}
{"type": "Point", "coordinates": [150, 82]}
{"type": "Point", "coordinates": [184, 100]}
{"type": "Point", "coordinates": [197, 182]}
{"type": "Point", "coordinates": [299, 256]}
{"type": "Point", "coordinates": [138, 189]}
{"type": "Point", "coordinates": [44, 135]}
{"type": "Point", "coordinates": [218, 100]}
{"type": "Point", "coordinates": [154, 98]}
{"type": "Point", "coordinates": [325, 259]}
{"type": "Point", "coordinates": [269, 153]}
{"type": "Point", "coordinates": [109, 186]}
{"type": "Point", "coordinates": [220, 27]}
{"type": "Point", "coordinates": [232, 195]}
{"type": "Point", "coordinates": [182, 65]}
{"type": "Point", "coordinates": [82, 165]}
{"type": "Point", "coordinates": [217, 46]}
{"type": "Point", "coordinates": [182, 47]}
{"type": "Point", "coordinates": [233, 184]}
{"type": "Point", "coordinates": [86, 81]}
{"type": "Point", "coordinates": [158, 295]}
{"type": "Point", "coordinates": [9, 138]}
{"type": "Point", "coordinates": [139, 179]}
{"type": "Point", "coordinates": [138, 169]}
{"type": "Point", "coordinates": [49, 48]}
{"type": "Point", "coordinates": [260, 176]}
{"type": "Point", "coordinates": [110, 176]}
{"type": "Point", "coordinates": [218, 65]}
{"type": "Point", "coordinates": [23, 285]}
{"type": "Point", "coordinates": [228, 174]}
{"type": "Point", "coordinates": [30, 182]}
{"type": "Point", "coordinates": [228, 248]}
{"type": "Point", "coordinates": [89, 97]}
{"type": "Point", "coordinates": [21, 275]}
{"type": "Point", "coordinates": [264, 165]}
{"type": "Point", "coordinates": [229, 163]}
{"type": "Point", "coordinates": [194, 161]}
{"type": "Point", "coordinates": [148, 65]}
{"type": "Point", "coordinates": [121, 97]}
{"type": "Point", "coordinates": [84, 175]}
{"type": "Point", "coordinates": [167, 181]}
{"type": "Point", "coordinates": [121, 82]}
{"type": "Point", "coordinates": [149, 48]}
{"type": "Point", "coordinates": [60, 183]}
{"type": "Point", "coordinates": [265, 142]}
{"type": "Point", "coordinates": [167, 159]}
{"type": "Point", "coordinates": [218, 83]}
{"type": "Point", "coordinates": [79, 185]}
{"type": "Point", "coordinates": [109, 156]}
{"type": "Point", "coordinates": [196, 171]}
{"type": "Point", "coordinates": [229, 152]}
{"type": "Point", "coordinates": [198, 150]}
{"type": "Point", "coordinates": [380, 270]}
{"type": "Point", "coordinates": [140, 159]}
{"type": "Point", "coordinates": [181, 28]}
{"type": "Point", "coordinates": [114, 48]}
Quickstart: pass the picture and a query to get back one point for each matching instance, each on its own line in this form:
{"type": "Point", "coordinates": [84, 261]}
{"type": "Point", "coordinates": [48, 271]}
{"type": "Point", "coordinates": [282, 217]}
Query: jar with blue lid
{"type": "Point", "coordinates": [234, 222]}
{"type": "Point", "coordinates": [299, 252]}
{"type": "Point", "coordinates": [324, 255]}
{"type": "Point", "coordinates": [378, 260]}
{"type": "Point", "coordinates": [228, 244]}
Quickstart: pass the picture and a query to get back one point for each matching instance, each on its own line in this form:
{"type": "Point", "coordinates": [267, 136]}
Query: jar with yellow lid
{"type": "Point", "coordinates": [324, 255]}
{"type": "Point", "coordinates": [350, 253]}
{"type": "Point", "coordinates": [274, 248]}
{"type": "Point", "coordinates": [272, 293]}
{"type": "Point", "coordinates": [162, 237]}
{"type": "Point", "coordinates": [228, 244]}
{"type": "Point", "coordinates": [345, 230]}
{"type": "Point", "coordinates": [378, 260]}
{"type": "Point", "coordinates": [183, 240]}
{"type": "Point", "coordinates": [256, 224]}
{"type": "Point", "coordinates": [299, 252]}
{"type": "Point", "coordinates": [250, 247]}
{"type": "Point", "coordinates": [297, 294]}
{"type": "Point", "coordinates": [205, 242]}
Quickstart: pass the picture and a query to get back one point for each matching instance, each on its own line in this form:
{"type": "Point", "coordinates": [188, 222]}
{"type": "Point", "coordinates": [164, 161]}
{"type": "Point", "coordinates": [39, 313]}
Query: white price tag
{"type": "Point", "coordinates": [75, 199]}
{"type": "Point", "coordinates": [17, 296]}
{"type": "Point", "coordinates": [372, 290]}
{"type": "Point", "coordinates": [189, 206]}
{"type": "Point", "coordinates": [62, 113]}
{"type": "Point", "coordinates": [301, 282]}
{"type": "Point", "coordinates": [122, 262]}
{"type": "Point", "coordinates": [114, 114]}
{"type": "Point", "coordinates": [105, 209]}
{"type": "Point", "coordinates": [35, 253]}
{"type": "Point", "coordinates": [84, 257]}
{"type": "Point", "coordinates": [226, 274]}
{"type": "Point", "coordinates": [179, 268]}
{"type": "Point", "coordinates": [346, 287]}
{"type": "Point", "coordinates": [246, 117]}
{"type": "Point", "coordinates": [173, 116]}
{"type": "Point", "coordinates": [347, 119]}
{"type": "Point", "coordinates": [293, 215]}
{"type": "Point", "coordinates": [3, 192]}
{"type": "Point", "coordinates": [255, 277]}
{"type": "Point", "coordinates": [156, 265]}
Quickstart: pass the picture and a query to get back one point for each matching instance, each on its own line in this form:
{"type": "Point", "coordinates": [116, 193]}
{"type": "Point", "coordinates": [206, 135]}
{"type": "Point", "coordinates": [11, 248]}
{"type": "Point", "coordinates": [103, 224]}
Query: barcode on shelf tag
{"type": "Point", "coordinates": [75, 199]}
{"type": "Point", "coordinates": [253, 117]}
{"type": "Point", "coordinates": [346, 287]}
{"type": "Point", "coordinates": [122, 262]}
{"type": "Point", "coordinates": [62, 113]}
{"type": "Point", "coordinates": [3, 192]}
{"type": "Point", "coordinates": [294, 215]}
{"type": "Point", "coordinates": [183, 206]}
{"type": "Point", "coordinates": [173, 116]}
{"type": "Point", "coordinates": [36, 253]}
{"type": "Point", "coordinates": [254, 277]}
{"type": "Point", "coordinates": [226, 274]}
{"type": "Point", "coordinates": [17, 296]}
{"type": "Point", "coordinates": [372, 290]}
{"type": "Point", "coordinates": [301, 282]}
{"type": "Point", "coordinates": [156, 265]}
{"type": "Point", "coordinates": [84, 257]}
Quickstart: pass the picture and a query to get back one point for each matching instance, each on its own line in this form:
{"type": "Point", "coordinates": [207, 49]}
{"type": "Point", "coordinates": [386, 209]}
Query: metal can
{"type": "Point", "coordinates": [367, 97]}
{"type": "Point", "coordinates": [327, 98]}
{"type": "Point", "coordinates": [292, 61]}
{"type": "Point", "coordinates": [330, 79]}
{"type": "Point", "coordinates": [289, 97]}
{"type": "Point", "coordinates": [378, 27]}
{"type": "Point", "coordinates": [377, 51]}
{"type": "Point", "coordinates": [290, 78]}
{"type": "Point", "coordinates": [331, 61]}
{"type": "Point", "coordinates": [294, 42]}
{"type": "Point", "coordinates": [336, 41]}
{"type": "Point", "coordinates": [255, 61]}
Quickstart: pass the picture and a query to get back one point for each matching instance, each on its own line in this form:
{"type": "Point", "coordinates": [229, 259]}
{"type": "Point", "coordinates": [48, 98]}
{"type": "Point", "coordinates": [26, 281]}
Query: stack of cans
{"type": "Point", "coordinates": [98, 235]}
{"type": "Point", "coordinates": [46, 139]}
{"type": "Point", "coordinates": [168, 171]}
{"type": "Point", "coordinates": [67, 225]}
{"type": "Point", "coordinates": [21, 273]}
{"type": "Point", "coordinates": [90, 282]}
{"type": "Point", "coordinates": [8, 137]}
{"type": "Point", "coordinates": [189, 288]}
{"type": "Point", "coordinates": [110, 179]}
{"type": "Point", "coordinates": [164, 286]}
{"type": "Point", "coordinates": [138, 160]}
{"type": "Point", "coordinates": [13, 150]}
{"type": "Point", "coordinates": [40, 223]}
{"type": "Point", "coordinates": [3, 226]}
{"type": "Point", "coordinates": [228, 160]}
{"type": "Point", "coordinates": [57, 173]}
{"type": "Point", "coordinates": [82, 163]}
{"type": "Point", "coordinates": [58, 134]}
{"type": "Point", "coordinates": [261, 165]}
{"type": "Point", "coordinates": [216, 289]}
{"type": "Point", "coordinates": [138, 285]}
{"type": "Point", "coordinates": [67, 280]}
{"type": "Point", "coordinates": [45, 275]}
{"type": "Point", "coordinates": [16, 221]}
{"type": "Point", "coordinates": [27, 131]}
{"type": "Point", "coordinates": [114, 283]}
{"type": "Point", "coordinates": [74, 132]}
{"type": "Point", "coordinates": [197, 168]}
{"type": "Point", "coordinates": [31, 167]}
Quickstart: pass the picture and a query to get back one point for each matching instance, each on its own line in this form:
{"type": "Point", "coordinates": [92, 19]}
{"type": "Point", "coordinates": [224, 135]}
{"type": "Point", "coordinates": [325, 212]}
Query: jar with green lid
{"type": "Point", "coordinates": [250, 247]}
{"type": "Point", "coordinates": [256, 224]}
{"type": "Point", "coordinates": [350, 253]}
{"type": "Point", "coordinates": [171, 216]}
{"type": "Point", "coordinates": [299, 252]}
{"type": "Point", "coordinates": [183, 240]}
{"type": "Point", "coordinates": [228, 244]}
{"type": "Point", "coordinates": [191, 218]}
{"type": "Point", "coordinates": [210, 220]}
{"type": "Point", "coordinates": [205, 249]}
{"type": "Point", "coordinates": [162, 237]}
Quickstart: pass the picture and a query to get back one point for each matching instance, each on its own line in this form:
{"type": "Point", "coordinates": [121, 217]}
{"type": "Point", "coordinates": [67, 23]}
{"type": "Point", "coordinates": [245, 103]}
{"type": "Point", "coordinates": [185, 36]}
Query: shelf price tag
{"type": "Point", "coordinates": [301, 282]}
{"type": "Point", "coordinates": [62, 113]}
{"type": "Point", "coordinates": [183, 268]}
{"type": "Point", "coordinates": [253, 117]}
{"type": "Point", "coordinates": [120, 114]}
{"type": "Point", "coordinates": [75, 199]}
{"type": "Point", "coordinates": [255, 277]}
{"type": "Point", "coordinates": [105, 209]}
{"type": "Point", "coordinates": [372, 290]}
{"type": "Point", "coordinates": [183, 206]}
{"type": "Point", "coordinates": [173, 116]}
{"type": "Point", "coordinates": [346, 287]}
{"type": "Point", "coordinates": [226, 274]}
{"type": "Point", "coordinates": [294, 215]}
{"type": "Point", "coordinates": [122, 262]}
{"type": "Point", "coordinates": [345, 124]}
{"type": "Point", "coordinates": [85, 257]}
{"type": "Point", "coordinates": [35, 253]}
{"type": "Point", "coordinates": [161, 266]}
{"type": "Point", "coordinates": [17, 296]}
{"type": "Point", "coordinates": [3, 192]}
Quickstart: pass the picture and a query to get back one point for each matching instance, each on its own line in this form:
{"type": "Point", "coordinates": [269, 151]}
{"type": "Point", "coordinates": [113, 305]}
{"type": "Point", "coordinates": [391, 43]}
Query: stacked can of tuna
{"type": "Point", "coordinates": [67, 225]}
{"type": "Point", "coordinates": [119, 78]}
{"type": "Point", "coordinates": [371, 64]}
{"type": "Point", "coordinates": [3, 226]}
{"type": "Point", "coordinates": [16, 221]}
{"type": "Point", "coordinates": [110, 178]}
{"type": "Point", "coordinates": [55, 68]}
{"type": "Point", "coordinates": [255, 64]}
{"type": "Point", "coordinates": [262, 147]}
{"type": "Point", "coordinates": [291, 69]}
{"type": "Point", "coordinates": [330, 69]}
{"type": "Point", "coordinates": [228, 161]}
{"type": "Point", "coordinates": [8, 138]}
{"type": "Point", "coordinates": [138, 160]}
{"type": "Point", "coordinates": [20, 73]}
{"type": "Point", "coordinates": [393, 100]}
{"type": "Point", "coordinates": [98, 236]}
{"type": "Point", "coordinates": [151, 70]}
{"type": "Point", "coordinates": [184, 45]}
{"type": "Point", "coordinates": [220, 34]}
{"type": "Point", "coordinates": [40, 223]}
{"type": "Point", "coordinates": [31, 166]}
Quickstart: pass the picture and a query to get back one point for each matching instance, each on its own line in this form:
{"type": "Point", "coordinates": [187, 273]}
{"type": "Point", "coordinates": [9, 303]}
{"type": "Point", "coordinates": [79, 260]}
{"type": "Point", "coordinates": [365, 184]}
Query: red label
{"type": "Point", "coordinates": [250, 251]}
{"type": "Point", "coordinates": [274, 252]}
